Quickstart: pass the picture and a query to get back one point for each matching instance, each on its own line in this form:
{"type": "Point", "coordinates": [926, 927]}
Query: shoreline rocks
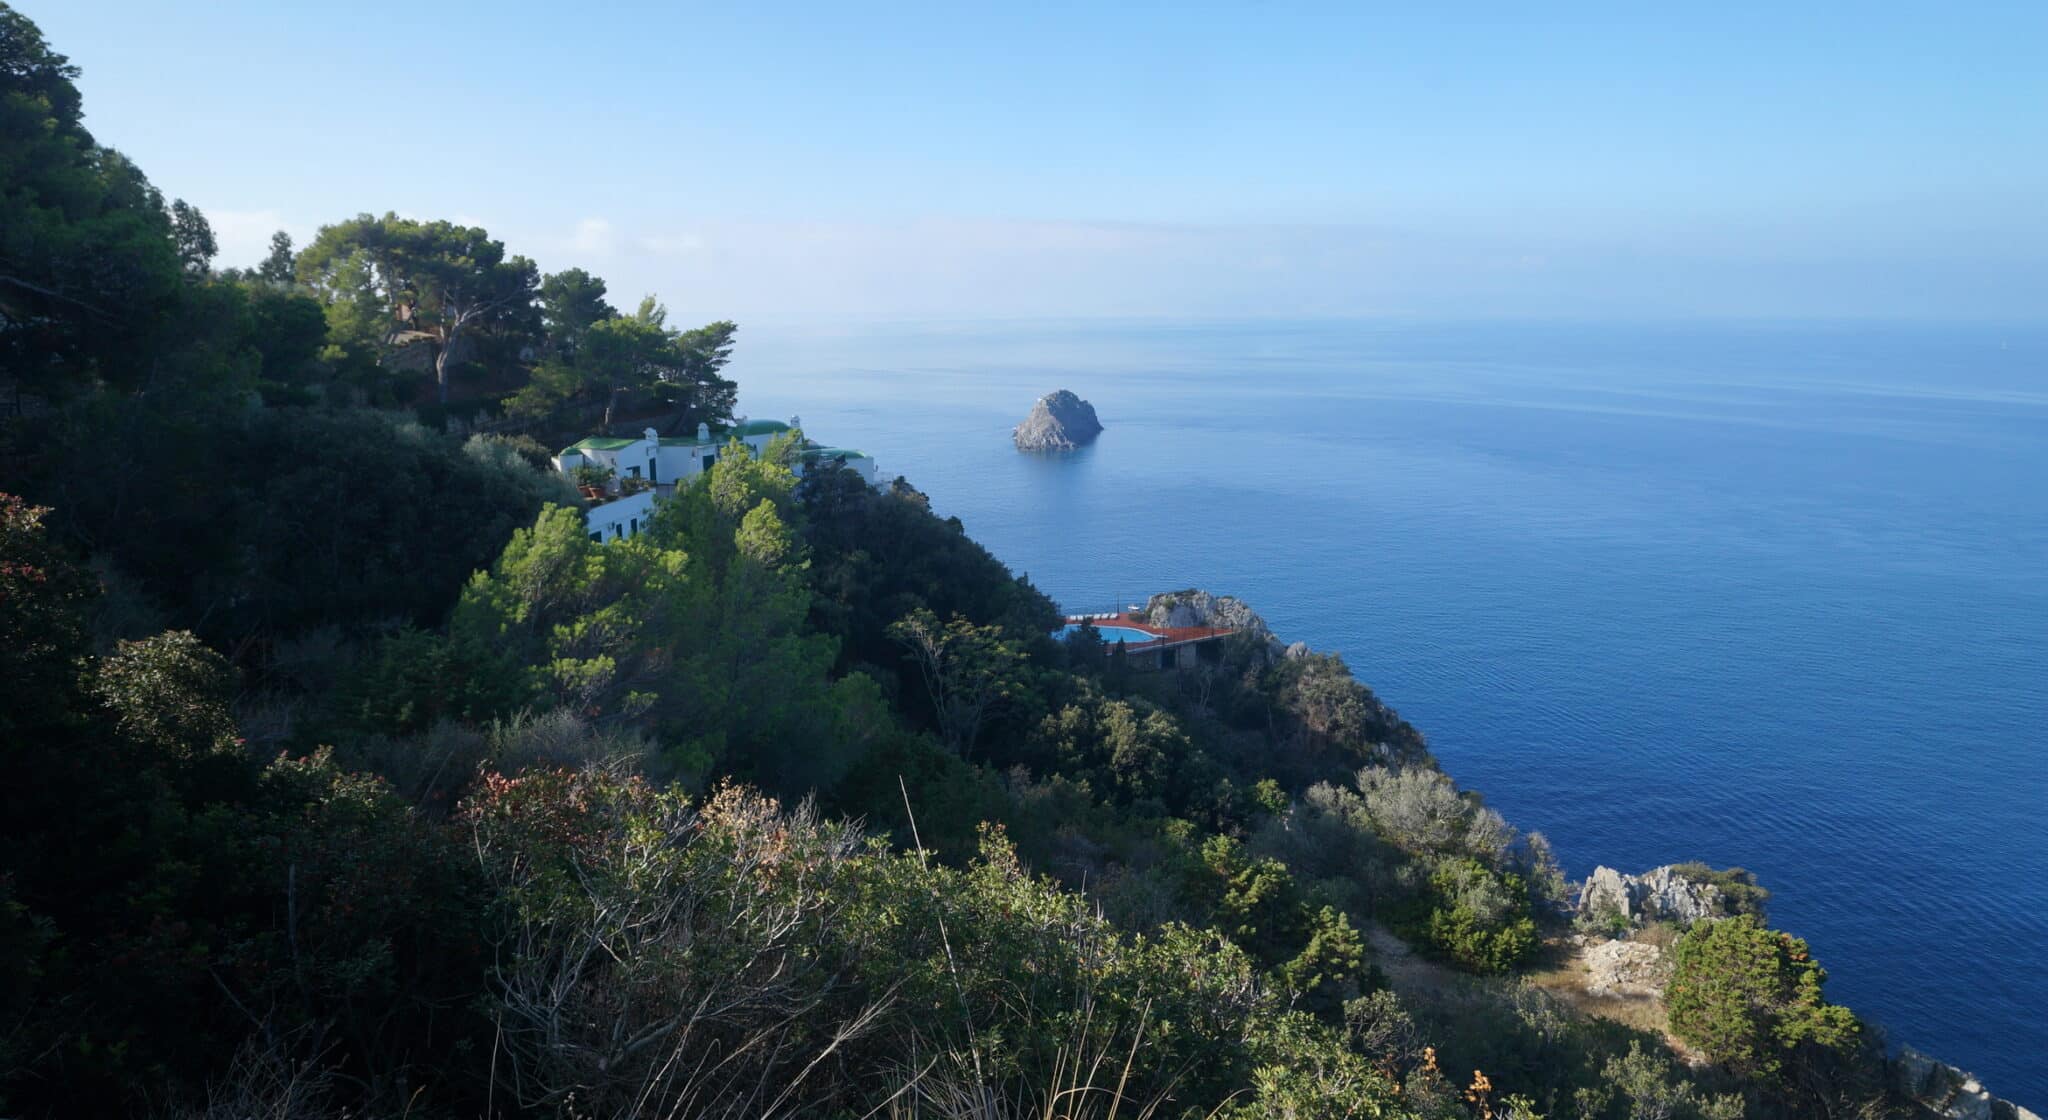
{"type": "Point", "coordinates": [1060, 421]}
{"type": "Point", "coordinates": [1660, 894]}
{"type": "Point", "coordinates": [1951, 1093]}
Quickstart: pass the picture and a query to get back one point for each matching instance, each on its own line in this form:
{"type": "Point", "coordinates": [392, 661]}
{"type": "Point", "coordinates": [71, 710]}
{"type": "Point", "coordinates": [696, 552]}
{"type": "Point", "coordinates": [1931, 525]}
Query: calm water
{"type": "Point", "coordinates": [1767, 596]}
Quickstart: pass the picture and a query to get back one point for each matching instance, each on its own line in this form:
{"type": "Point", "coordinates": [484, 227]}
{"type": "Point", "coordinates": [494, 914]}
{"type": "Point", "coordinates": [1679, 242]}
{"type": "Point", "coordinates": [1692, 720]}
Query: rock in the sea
{"type": "Point", "coordinates": [1060, 421]}
{"type": "Point", "coordinates": [1661, 894]}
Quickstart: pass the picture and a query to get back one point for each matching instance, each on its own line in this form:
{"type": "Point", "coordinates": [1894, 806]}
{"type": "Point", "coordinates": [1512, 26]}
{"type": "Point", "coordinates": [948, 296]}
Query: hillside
{"type": "Point", "coordinates": [351, 777]}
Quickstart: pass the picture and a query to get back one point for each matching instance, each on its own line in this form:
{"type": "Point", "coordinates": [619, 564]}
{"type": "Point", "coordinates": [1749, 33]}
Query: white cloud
{"type": "Point", "coordinates": [593, 235]}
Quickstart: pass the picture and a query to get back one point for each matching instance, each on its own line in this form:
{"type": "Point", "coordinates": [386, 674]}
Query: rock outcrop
{"type": "Point", "coordinates": [1632, 969]}
{"type": "Point", "coordinates": [1195, 607]}
{"type": "Point", "coordinates": [1950, 1093]}
{"type": "Point", "coordinates": [1661, 894]}
{"type": "Point", "coordinates": [1060, 421]}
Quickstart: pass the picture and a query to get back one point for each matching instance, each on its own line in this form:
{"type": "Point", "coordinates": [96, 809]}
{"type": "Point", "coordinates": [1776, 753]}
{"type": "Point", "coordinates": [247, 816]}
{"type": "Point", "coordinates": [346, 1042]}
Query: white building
{"type": "Point", "coordinates": [664, 462]}
{"type": "Point", "coordinates": [619, 518]}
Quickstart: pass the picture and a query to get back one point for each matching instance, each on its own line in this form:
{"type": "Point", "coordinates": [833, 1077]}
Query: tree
{"type": "Point", "coordinates": [596, 354]}
{"type": "Point", "coordinates": [590, 626]}
{"type": "Point", "coordinates": [629, 353]}
{"type": "Point", "coordinates": [279, 267]}
{"type": "Point", "coordinates": [42, 597]}
{"type": "Point", "coordinates": [436, 278]}
{"type": "Point", "coordinates": [193, 235]}
{"type": "Point", "coordinates": [571, 302]}
{"type": "Point", "coordinates": [1749, 996]}
{"type": "Point", "coordinates": [288, 330]}
{"type": "Point", "coordinates": [694, 387]}
{"type": "Point", "coordinates": [1645, 1082]}
{"type": "Point", "coordinates": [968, 671]}
{"type": "Point", "coordinates": [171, 694]}
{"type": "Point", "coordinates": [88, 270]}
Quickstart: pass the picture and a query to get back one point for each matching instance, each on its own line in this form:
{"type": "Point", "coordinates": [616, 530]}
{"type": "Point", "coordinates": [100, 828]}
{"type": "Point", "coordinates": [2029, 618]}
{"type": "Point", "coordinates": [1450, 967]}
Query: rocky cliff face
{"type": "Point", "coordinates": [1661, 894]}
{"type": "Point", "coordinates": [1950, 1093]}
{"type": "Point", "coordinates": [1060, 421]}
{"type": "Point", "coordinates": [1195, 607]}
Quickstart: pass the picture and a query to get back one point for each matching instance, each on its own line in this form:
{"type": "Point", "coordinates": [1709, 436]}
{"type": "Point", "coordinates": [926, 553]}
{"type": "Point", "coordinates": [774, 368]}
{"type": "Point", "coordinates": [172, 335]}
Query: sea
{"type": "Point", "coordinates": [1770, 595]}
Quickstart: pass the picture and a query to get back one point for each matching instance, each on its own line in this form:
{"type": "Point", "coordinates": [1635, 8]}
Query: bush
{"type": "Point", "coordinates": [1749, 997]}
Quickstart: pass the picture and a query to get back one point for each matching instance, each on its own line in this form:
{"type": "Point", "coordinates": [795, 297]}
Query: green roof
{"type": "Point", "coordinates": [599, 443]}
{"type": "Point", "coordinates": [833, 452]}
{"type": "Point", "coordinates": [718, 437]}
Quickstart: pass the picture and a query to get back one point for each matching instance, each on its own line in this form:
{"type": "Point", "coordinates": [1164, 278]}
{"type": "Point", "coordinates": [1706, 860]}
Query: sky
{"type": "Point", "coordinates": [1023, 160]}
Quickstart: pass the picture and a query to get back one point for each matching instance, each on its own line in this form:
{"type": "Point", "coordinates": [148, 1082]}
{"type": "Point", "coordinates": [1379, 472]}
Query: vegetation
{"type": "Point", "coordinates": [1748, 997]}
{"type": "Point", "coordinates": [349, 776]}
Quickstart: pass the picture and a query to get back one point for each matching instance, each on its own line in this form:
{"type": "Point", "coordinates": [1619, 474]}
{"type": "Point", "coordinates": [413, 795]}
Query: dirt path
{"type": "Point", "coordinates": [1405, 970]}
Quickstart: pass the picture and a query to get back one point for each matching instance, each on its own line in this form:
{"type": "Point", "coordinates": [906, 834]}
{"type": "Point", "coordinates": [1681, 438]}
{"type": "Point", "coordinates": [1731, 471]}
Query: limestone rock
{"type": "Point", "coordinates": [1195, 607]}
{"type": "Point", "coordinates": [1950, 1093]}
{"type": "Point", "coordinates": [1060, 421]}
{"type": "Point", "coordinates": [1626, 968]}
{"type": "Point", "coordinates": [1661, 894]}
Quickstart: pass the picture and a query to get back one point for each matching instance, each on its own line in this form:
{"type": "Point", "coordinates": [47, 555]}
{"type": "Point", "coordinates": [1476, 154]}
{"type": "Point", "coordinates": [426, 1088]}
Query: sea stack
{"type": "Point", "coordinates": [1060, 421]}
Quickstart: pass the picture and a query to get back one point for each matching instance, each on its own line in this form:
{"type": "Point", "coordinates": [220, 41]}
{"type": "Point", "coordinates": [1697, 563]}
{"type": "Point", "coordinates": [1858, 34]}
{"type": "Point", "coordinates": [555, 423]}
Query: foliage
{"type": "Point", "coordinates": [367, 786]}
{"type": "Point", "coordinates": [169, 693]}
{"type": "Point", "coordinates": [1480, 919]}
{"type": "Point", "coordinates": [596, 355]}
{"type": "Point", "coordinates": [248, 527]}
{"type": "Point", "coordinates": [90, 278]}
{"type": "Point", "coordinates": [42, 598]}
{"type": "Point", "coordinates": [394, 275]}
{"type": "Point", "coordinates": [969, 672]}
{"type": "Point", "coordinates": [1750, 997]}
{"type": "Point", "coordinates": [1645, 1083]}
{"type": "Point", "coordinates": [587, 625]}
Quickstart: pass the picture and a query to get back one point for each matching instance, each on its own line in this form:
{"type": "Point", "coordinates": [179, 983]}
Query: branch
{"type": "Point", "coordinates": [54, 294]}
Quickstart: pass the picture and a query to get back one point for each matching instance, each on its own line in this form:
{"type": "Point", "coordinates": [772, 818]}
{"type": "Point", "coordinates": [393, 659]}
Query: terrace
{"type": "Point", "coordinates": [1164, 647]}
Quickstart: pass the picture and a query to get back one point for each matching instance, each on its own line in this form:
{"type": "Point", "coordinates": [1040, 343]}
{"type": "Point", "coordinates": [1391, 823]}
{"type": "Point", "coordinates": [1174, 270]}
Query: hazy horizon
{"type": "Point", "coordinates": [929, 162]}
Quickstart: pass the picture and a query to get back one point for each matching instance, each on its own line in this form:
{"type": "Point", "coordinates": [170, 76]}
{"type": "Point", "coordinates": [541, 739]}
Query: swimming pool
{"type": "Point", "coordinates": [1111, 633]}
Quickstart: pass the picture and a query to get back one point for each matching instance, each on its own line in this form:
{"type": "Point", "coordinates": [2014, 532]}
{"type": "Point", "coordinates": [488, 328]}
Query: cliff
{"type": "Point", "coordinates": [1060, 421]}
{"type": "Point", "coordinates": [1612, 903]}
{"type": "Point", "coordinates": [1950, 1093]}
{"type": "Point", "coordinates": [1660, 894]}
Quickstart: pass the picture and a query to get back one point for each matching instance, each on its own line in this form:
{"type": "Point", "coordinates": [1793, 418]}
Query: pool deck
{"type": "Point", "coordinates": [1163, 637]}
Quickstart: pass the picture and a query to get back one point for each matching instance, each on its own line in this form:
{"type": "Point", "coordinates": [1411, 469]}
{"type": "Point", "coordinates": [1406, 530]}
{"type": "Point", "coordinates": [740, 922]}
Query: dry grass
{"type": "Point", "coordinates": [1564, 974]}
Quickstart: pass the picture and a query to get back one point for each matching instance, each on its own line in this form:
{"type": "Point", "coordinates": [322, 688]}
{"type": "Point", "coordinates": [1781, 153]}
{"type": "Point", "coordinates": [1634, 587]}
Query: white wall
{"type": "Point", "coordinates": [617, 520]}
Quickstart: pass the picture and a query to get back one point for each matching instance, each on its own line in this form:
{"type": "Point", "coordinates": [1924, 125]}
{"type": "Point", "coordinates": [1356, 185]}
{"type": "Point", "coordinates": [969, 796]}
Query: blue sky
{"type": "Point", "coordinates": [975, 160]}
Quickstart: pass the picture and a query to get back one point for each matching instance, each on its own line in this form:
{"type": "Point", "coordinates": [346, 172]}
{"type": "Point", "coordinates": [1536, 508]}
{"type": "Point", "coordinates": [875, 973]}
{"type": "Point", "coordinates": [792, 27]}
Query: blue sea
{"type": "Point", "coordinates": [1769, 595]}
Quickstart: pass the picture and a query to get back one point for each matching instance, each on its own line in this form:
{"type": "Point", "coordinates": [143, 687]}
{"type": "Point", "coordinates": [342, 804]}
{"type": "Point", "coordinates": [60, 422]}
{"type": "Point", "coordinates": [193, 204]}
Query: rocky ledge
{"type": "Point", "coordinates": [1951, 1093]}
{"type": "Point", "coordinates": [1621, 904]}
{"type": "Point", "coordinates": [1060, 421]}
{"type": "Point", "coordinates": [1660, 894]}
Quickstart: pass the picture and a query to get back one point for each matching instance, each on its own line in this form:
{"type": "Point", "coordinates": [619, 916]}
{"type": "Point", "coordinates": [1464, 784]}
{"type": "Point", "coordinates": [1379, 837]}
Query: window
{"type": "Point", "coordinates": [636, 527]}
{"type": "Point", "coordinates": [598, 537]}
{"type": "Point", "coordinates": [632, 472]}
